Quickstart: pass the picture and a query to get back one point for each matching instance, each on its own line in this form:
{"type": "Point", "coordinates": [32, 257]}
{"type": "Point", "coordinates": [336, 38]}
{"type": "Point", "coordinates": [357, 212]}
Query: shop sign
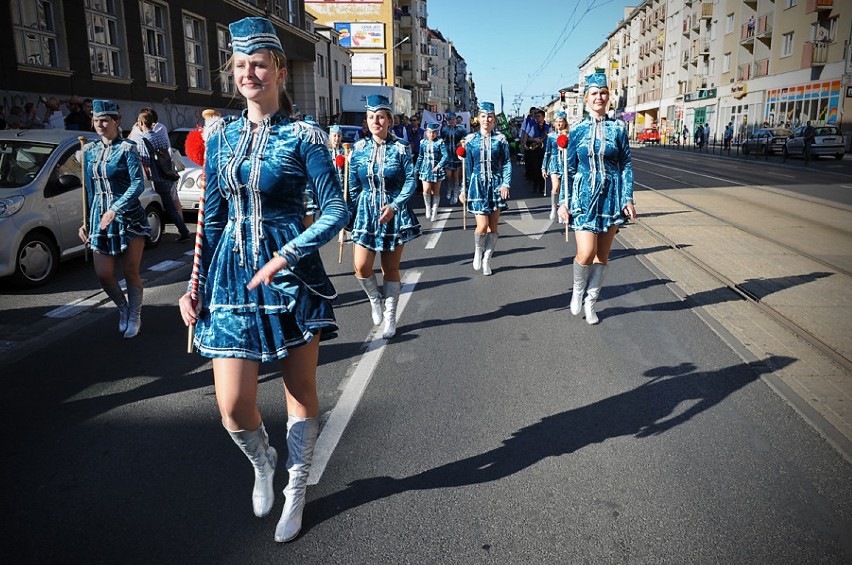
{"type": "Point", "coordinates": [703, 94]}
{"type": "Point", "coordinates": [739, 90]}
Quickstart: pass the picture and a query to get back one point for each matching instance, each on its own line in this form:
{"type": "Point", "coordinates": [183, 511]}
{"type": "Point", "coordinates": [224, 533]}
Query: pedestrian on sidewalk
{"type": "Point", "coordinates": [601, 198]}
{"type": "Point", "coordinates": [432, 157]}
{"type": "Point", "coordinates": [381, 183]}
{"type": "Point", "coordinates": [117, 223]}
{"type": "Point", "coordinates": [552, 162]}
{"type": "Point", "coordinates": [157, 141]}
{"type": "Point", "coordinates": [264, 294]}
{"type": "Point", "coordinates": [488, 166]}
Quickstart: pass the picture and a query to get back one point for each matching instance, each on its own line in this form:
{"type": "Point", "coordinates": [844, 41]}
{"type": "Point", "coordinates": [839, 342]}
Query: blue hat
{"type": "Point", "coordinates": [451, 114]}
{"type": "Point", "coordinates": [596, 80]}
{"type": "Point", "coordinates": [487, 107]}
{"type": "Point", "coordinates": [378, 102]}
{"type": "Point", "coordinates": [104, 108]}
{"type": "Point", "coordinates": [250, 34]}
{"type": "Point", "coordinates": [310, 119]}
{"type": "Point", "coordinates": [334, 129]}
{"type": "Point", "coordinates": [560, 115]}
{"type": "Point", "coordinates": [433, 126]}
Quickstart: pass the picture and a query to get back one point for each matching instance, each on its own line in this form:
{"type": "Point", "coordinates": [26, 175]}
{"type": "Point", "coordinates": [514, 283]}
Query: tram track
{"type": "Point", "coordinates": [739, 289]}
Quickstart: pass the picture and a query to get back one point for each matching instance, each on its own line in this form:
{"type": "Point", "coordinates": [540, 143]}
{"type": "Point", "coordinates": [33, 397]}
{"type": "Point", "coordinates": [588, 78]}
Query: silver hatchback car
{"type": "Point", "coordinates": [827, 141]}
{"type": "Point", "coordinates": [41, 203]}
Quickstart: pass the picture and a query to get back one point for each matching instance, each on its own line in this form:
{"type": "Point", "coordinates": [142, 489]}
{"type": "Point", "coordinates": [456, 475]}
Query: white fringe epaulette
{"type": "Point", "coordinates": [498, 135]}
{"type": "Point", "coordinates": [468, 137]}
{"type": "Point", "coordinates": [128, 145]}
{"type": "Point", "coordinates": [401, 145]}
{"type": "Point", "coordinates": [310, 133]}
{"type": "Point", "coordinates": [360, 144]}
{"type": "Point", "coordinates": [575, 124]}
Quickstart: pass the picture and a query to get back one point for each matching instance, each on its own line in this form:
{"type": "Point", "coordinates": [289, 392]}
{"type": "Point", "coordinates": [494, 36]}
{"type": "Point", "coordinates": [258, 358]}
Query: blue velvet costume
{"type": "Point", "coordinates": [488, 167]}
{"type": "Point", "coordinates": [431, 154]}
{"type": "Point", "coordinates": [114, 181]}
{"type": "Point", "coordinates": [253, 209]}
{"type": "Point", "coordinates": [382, 174]}
{"type": "Point", "coordinates": [452, 136]}
{"type": "Point", "coordinates": [601, 174]}
{"type": "Point", "coordinates": [552, 163]}
{"type": "Point", "coordinates": [333, 153]}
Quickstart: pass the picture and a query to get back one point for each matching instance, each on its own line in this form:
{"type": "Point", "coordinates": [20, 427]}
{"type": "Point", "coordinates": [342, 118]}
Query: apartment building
{"type": "Point", "coordinates": [167, 55]}
{"type": "Point", "coordinates": [749, 62]}
{"type": "Point", "coordinates": [332, 71]}
{"type": "Point", "coordinates": [441, 68]}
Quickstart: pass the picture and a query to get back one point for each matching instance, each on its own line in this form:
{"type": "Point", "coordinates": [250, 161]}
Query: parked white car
{"type": "Point", "coordinates": [189, 192]}
{"type": "Point", "coordinates": [41, 205]}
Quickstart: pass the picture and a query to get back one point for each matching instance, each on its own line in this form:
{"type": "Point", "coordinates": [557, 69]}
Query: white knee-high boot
{"type": "Point", "coordinates": [117, 295]}
{"type": "Point", "coordinates": [554, 204]}
{"type": "Point", "coordinates": [490, 244]}
{"type": "Point", "coordinates": [581, 279]}
{"type": "Point", "coordinates": [301, 438]}
{"type": "Point", "coordinates": [391, 301]}
{"type": "Point", "coordinates": [255, 444]}
{"type": "Point", "coordinates": [134, 321]}
{"type": "Point", "coordinates": [477, 250]}
{"type": "Point", "coordinates": [596, 276]}
{"type": "Point", "coordinates": [427, 202]}
{"type": "Point", "coordinates": [371, 287]}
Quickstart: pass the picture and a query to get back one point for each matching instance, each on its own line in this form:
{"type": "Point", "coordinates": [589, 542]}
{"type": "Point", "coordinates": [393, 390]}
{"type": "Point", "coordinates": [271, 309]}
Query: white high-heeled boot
{"type": "Point", "coordinates": [255, 444]}
{"type": "Point", "coordinates": [581, 279]}
{"type": "Point", "coordinates": [490, 244]}
{"type": "Point", "coordinates": [134, 321]}
{"type": "Point", "coordinates": [391, 301]}
{"type": "Point", "coordinates": [477, 250]}
{"type": "Point", "coordinates": [371, 287]}
{"type": "Point", "coordinates": [117, 295]}
{"type": "Point", "coordinates": [596, 276]}
{"type": "Point", "coordinates": [301, 438]}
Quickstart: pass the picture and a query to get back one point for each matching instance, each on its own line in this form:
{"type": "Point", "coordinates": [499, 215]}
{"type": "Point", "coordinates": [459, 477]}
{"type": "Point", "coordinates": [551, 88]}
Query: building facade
{"type": "Point", "coordinates": [332, 71]}
{"type": "Point", "coordinates": [167, 55]}
{"type": "Point", "coordinates": [441, 68]}
{"type": "Point", "coordinates": [747, 62]}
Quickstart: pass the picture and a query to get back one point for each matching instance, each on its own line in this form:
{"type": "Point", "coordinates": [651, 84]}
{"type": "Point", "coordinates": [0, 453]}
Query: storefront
{"type": "Point", "coordinates": [743, 109]}
{"type": "Point", "coordinates": [818, 102]}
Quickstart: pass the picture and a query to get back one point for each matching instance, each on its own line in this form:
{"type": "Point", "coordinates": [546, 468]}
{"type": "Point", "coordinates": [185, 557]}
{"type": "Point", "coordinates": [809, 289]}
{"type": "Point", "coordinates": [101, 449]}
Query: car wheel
{"type": "Point", "coordinates": [155, 221]}
{"type": "Point", "coordinates": [745, 149]}
{"type": "Point", "coordinates": [784, 152]}
{"type": "Point", "coordinates": [36, 261]}
{"type": "Point", "coordinates": [839, 156]}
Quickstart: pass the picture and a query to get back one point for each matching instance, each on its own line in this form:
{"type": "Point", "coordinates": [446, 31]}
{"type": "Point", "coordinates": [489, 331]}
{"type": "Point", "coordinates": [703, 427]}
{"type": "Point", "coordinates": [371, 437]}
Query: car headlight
{"type": "Point", "coordinates": [10, 205]}
{"type": "Point", "coordinates": [188, 182]}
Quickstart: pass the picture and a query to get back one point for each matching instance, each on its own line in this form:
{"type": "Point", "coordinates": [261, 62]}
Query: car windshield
{"type": "Point", "coordinates": [21, 161]}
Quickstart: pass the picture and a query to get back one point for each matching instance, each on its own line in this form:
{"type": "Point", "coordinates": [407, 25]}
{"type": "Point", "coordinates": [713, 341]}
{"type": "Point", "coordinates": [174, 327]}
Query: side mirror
{"type": "Point", "coordinates": [68, 182]}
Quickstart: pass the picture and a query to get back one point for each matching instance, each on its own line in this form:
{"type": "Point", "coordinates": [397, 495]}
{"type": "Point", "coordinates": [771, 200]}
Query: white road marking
{"type": "Point", "coordinates": [342, 412]}
{"type": "Point", "coordinates": [438, 228]}
{"type": "Point", "coordinates": [167, 265]}
{"type": "Point", "coordinates": [778, 174]}
{"type": "Point", "coordinates": [73, 308]}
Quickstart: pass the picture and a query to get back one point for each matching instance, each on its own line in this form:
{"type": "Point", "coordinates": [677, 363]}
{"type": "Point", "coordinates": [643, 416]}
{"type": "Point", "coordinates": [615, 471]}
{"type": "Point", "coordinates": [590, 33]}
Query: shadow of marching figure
{"type": "Point", "coordinates": [647, 410]}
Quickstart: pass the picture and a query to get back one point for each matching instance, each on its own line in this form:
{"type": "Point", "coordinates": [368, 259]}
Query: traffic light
{"type": "Point", "coordinates": [562, 96]}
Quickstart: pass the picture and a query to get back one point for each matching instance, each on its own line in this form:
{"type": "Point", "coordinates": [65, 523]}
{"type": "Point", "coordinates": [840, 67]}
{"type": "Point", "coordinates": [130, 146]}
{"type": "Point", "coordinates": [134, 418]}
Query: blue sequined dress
{"type": "Point", "coordinates": [553, 157]}
{"type": "Point", "coordinates": [488, 167]}
{"type": "Point", "coordinates": [600, 173]}
{"type": "Point", "coordinates": [432, 154]}
{"type": "Point", "coordinates": [114, 181]}
{"type": "Point", "coordinates": [381, 174]}
{"type": "Point", "coordinates": [253, 208]}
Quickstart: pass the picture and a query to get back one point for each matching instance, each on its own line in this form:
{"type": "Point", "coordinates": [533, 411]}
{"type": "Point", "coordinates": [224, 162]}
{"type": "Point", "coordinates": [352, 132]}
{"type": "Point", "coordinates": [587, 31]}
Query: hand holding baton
{"type": "Point", "coordinates": [82, 139]}
{"type": "Point", "coordinates": [562, 142]}
{"type": "Point", "coordinates": [461, 152]}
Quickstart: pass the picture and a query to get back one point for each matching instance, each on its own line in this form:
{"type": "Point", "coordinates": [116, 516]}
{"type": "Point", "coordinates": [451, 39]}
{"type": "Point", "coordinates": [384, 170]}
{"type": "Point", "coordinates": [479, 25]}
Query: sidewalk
{"type": "Point", "coordinates": [819, 388]}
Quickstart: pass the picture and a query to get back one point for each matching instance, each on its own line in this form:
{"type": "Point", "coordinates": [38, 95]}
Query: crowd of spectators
{"type": "Point", "coordinates": [48, 113]}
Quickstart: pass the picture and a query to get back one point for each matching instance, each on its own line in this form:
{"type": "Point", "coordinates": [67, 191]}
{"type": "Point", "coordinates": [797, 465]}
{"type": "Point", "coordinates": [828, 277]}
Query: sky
{"type": "Point", "coordinates": [530, 47]}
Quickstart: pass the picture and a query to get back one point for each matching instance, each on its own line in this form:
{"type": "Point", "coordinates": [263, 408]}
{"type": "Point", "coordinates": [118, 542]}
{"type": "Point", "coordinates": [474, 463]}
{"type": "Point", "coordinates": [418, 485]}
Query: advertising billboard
{"type": "Point", "coordinates": [361, 35]}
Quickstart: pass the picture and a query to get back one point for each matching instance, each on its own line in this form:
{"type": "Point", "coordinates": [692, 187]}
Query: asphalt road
{"type": "Point", "coordinates": [494, 428]}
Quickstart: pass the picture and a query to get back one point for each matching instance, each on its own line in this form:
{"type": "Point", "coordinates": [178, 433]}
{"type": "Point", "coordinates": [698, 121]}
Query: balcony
{"type": "Point", "coordinates": [746, 34]}
{"type": "Point", "coordinates": [405, 22]}
{"type": "Point", "coordinates": [812, 6]}
{"type": "Point", "coordinates": [684, 58]}
{"type": "Point", "coordinates": [761, 68]}
{"type": "Point", "coordinates": [814, 54]}
{"type": "Point", "coordinates": [764, 27]}
{"type": "Point", "coordinates": [686, 26]}
{"type": "Point", "coordinates": [696, 22]}
{"type": "Point", "coordinates": [706, 10]}
{"type": "Point", "coordinates": [744, 72]}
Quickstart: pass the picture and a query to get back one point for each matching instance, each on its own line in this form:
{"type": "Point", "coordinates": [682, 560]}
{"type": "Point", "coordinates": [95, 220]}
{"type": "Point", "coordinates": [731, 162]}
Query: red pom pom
{"type": "Point", "coordinates": [562, 141]}
{"type": "Point", "coordinates": [460, 152]}
{"type": "Point", "coordinates": [340, 160]}
{"type": "Point", "coordinates": [194, 146]}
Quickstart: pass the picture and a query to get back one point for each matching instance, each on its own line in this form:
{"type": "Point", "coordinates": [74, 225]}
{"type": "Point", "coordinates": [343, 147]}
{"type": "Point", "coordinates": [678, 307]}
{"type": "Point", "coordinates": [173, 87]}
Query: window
{"type": "Point", "coordinates": [277, 7]}
{"type": "Point", "coordinates": [105, 33]}
{"type": "Point", "coordinates": [336, 71]}
{"type": "Point", "coordinates": [154, 43]}
{"type": "Point", "coordinates": [729, 24]}
{"type": "Point", "coordinates": [223, 46]}
{"type": "Point", "coordinates": [824, 30]}
{"type": "Point", "coordinates": [293, 9]}
{"type": "Point", "coordinates": [789, 3]}
{"type": "Point", "coordinates": [194, 38]}
{"type": "Point", "coordinates": [712, 30]}
{"type": "Point", "coordinates": [320, 65]}
{"type": "Point", "coordinates": [787, 44]}
{"type": "Point", "coordinates": [726, 63]}
{"type": "Point", "coordinates": [34, 27]}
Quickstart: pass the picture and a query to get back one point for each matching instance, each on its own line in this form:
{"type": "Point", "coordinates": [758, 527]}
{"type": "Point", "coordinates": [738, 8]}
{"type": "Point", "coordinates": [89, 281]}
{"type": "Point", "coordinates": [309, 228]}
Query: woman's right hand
{"type": "Point", "coordinates": [83, 234]}
{"type": "Point", "coordinates": [563, 213]}
{"type": "Point", "coordinates": [189, 311]}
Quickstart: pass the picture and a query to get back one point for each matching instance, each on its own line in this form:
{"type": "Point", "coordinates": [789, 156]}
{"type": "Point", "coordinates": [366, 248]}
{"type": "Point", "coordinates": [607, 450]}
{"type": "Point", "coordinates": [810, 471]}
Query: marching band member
{"type": "Point", "coordinates": [264, 293]}
{"type": "Point", "coordinates": [489, 172]}
{"type": "Point", "coordinates": [552, 162]}
{"type": "Point", "coordinates": [430, 169]}
{"type": "Point", "coordinates": [117, 223]}
{"type": "Point", "coordinates": [452, 133]}
{"type": "Point", "coordinates": [335, 148]}
{"type": "Point", "coordinates": [381, 182]}
{"type": "Point", "coordinates": [599, 184]}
